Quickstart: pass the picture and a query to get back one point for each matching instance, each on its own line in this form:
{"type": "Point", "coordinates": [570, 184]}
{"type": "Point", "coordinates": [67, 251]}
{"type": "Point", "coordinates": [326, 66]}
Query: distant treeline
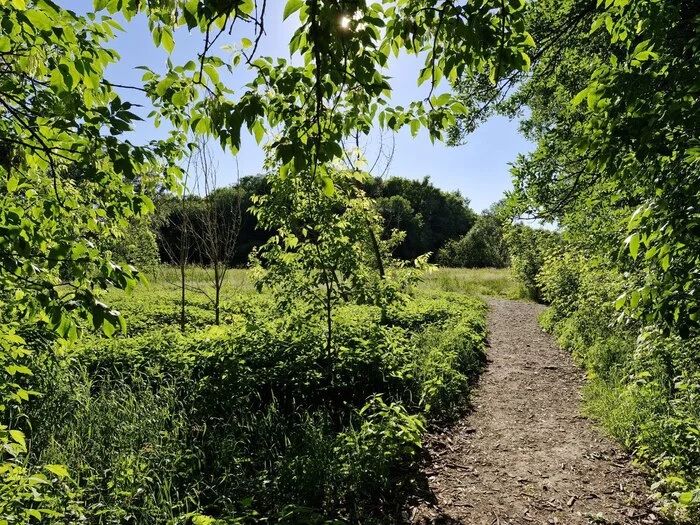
{"type": "Point", "coordinates": [429, 216]}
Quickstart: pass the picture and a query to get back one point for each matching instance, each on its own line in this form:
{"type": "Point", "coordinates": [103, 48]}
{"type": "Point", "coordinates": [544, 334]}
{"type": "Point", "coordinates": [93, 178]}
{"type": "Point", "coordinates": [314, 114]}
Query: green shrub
{"type": "Point", "coordinates": [136, 245]}
{"type": "Point", "coordinates": [482, 247]}
{"type": "Point", "coordinates": [527, 248]}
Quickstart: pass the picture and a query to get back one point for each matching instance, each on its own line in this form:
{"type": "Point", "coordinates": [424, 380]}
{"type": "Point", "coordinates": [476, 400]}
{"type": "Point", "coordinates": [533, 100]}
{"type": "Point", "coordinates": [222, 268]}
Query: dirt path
{"type": "Point", "coordinates": [525, 454]}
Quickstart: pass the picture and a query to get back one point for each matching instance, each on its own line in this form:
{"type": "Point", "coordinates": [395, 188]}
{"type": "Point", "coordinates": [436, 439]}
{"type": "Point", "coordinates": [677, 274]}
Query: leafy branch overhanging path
{"type": "Point", "coordinates": [525, 454]}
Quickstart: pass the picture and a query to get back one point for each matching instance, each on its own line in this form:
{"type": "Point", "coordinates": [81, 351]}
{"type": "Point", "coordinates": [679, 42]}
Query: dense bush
{"type": "Point", "coordinates": [482, 247]}
{"type": "Point", "coordinates": [241, 420]}
{"type": "Point", "coordinates": [136, 244]}
{"type": "Point", "coordinates": [644, 385]}
{"type": "Point", "coordinates": [527, 248]}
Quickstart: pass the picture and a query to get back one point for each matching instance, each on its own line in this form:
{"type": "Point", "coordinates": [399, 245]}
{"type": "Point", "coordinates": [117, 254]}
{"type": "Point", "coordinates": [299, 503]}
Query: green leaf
{"type": "Point", "coordinates": [620, 301]}
{"type": "Point", "coordinates": [415, 126]}
{"type": "Point", "coordinates": [108, 328]}
{"type": "Point", "coordinates": [246, 43]}
{"type": "Point", "coordinates": [246, 7]}
{"type": "Point", "coordinates": [592, 98]}
{"type": "Point", "coordinates": [291, 7]}
{"type": "Point", "coordinates": [18, 437]}
{"type": "Point", "coordinates": [609, 23]}
{"type": "Point", "coordinates": [212, 73]}
{"type": "Point", "coordinates": [179, 99]}
{"type": "Point", "coordinates": [665, 262]}
{"type": "Point", "coordinates": [39, 19]}
{"type": "Point", "coordinates": [163, 85]}
{"type": "Point", "coordinates": [425, 74]}
{"type": "Point", "coordinates": [526, 60]}
{"type": "Point", "coordinates": [258, 131]}
{"type": "Point", "coordinates": [634, 299]}
{"type": "Point", "coordinates": [633, 244]}
{"type": "Point", "coordinates": [328, 188]}
{"type": "Point", "coordinates": [12, 184]}
{"type": "Point", "coordinates": [639, 48]}
{"type": "Point", "coordinates": [444, 99]}
{"type": "Point", "coordinates": [579, 97]}
{"type": "Point", "coordinates": [167, 40]}
{"type": "Point", "coordinates": [18, 369]}
{"type": "Point", "coordinates": [58, 470]}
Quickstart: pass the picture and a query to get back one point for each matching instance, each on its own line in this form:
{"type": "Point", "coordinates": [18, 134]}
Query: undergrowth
{"type": "Point", "coordinates": [240, 423]}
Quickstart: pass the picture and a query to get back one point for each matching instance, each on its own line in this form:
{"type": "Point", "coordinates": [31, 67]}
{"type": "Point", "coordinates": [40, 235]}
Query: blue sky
{"type": "Point", "coordinates": [479, 169]}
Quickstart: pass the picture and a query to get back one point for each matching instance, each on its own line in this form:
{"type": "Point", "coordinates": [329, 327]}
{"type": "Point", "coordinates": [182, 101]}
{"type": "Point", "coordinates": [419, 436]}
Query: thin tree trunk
{"type": "Point", "coordinates": [377, 252]}
{"type": "Point", "coordinates": [217, 292]}
{"type": "Point", "coordinates": [329, 320]}
{"type": "Point", "coordinates": [182, 297]}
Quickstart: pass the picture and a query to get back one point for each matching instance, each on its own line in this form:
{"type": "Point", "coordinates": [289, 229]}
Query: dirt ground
{"type": "Point", "coordinates": [526, 454]}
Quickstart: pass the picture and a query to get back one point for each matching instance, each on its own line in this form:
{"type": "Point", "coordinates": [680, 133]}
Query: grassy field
{"type": "Point", "coordinates": [495, 282]}
{"type": "Point", "coordinates": [159, 302]}
{"type": "Point", "coordinates": [198, 277]}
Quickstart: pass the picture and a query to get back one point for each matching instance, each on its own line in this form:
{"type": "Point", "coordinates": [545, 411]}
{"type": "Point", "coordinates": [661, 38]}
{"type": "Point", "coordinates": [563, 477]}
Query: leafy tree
{"type": "Point", "coordinates": [66, 176]}
{"type": "Point", "coordinates": [429, 216]}
{"type": "Point", "coordinates": [483, 247]}
{"type": "Point", "coordinates": [528, 248]}
{"type": "Point", "coordinates": [322, 254]}
{"type": "Point", "coordinates": [614, 111]}
{"type": "Point", "coordinates": [137, 246]}
{"type": "Point", "coordinates": [615, 118]}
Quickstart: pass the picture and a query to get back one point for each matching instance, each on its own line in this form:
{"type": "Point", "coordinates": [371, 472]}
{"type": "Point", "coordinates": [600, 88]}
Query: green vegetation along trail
{"type": "Point", "coordinates": [526, 454]}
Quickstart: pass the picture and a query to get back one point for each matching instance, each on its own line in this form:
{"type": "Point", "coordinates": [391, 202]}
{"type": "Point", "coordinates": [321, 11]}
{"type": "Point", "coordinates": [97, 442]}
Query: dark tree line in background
{"type": "Point", "coordinates": [484, 246]}
{"type": "Point", "coordinates": [172, 218]}
{"type": "Point", "coordinates": [429, 216]}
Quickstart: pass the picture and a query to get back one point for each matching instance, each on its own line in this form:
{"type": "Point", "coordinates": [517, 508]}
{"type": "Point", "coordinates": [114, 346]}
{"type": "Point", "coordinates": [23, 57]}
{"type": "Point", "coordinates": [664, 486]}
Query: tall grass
{"type": "Point", "coordinates": [201, 277]}
{"type": "Point", "coordinates": [244, 421]}
{"type": "Point", "coordinates": [495, 282]}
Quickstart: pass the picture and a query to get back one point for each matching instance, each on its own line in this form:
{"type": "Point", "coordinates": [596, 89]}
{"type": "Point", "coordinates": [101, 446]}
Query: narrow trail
{"type": "Point", "coordinates": [525, 454]}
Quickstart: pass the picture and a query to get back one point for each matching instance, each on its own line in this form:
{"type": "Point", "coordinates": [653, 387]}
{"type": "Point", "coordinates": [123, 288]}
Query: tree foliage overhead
{"type": "Point", "coordinates": [66, 187]}
{"type": "Point", "coordinates": [615, 116]}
